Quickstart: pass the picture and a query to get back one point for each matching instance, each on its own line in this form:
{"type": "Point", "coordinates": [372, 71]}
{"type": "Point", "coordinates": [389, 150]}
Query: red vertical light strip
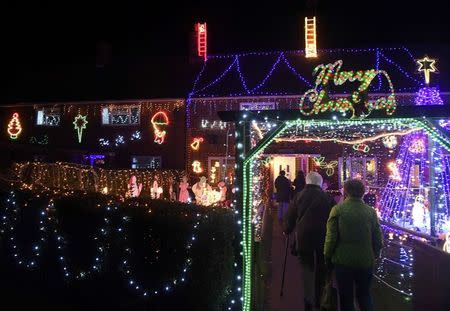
{"type": "Point", "coordinates": [201, 39]}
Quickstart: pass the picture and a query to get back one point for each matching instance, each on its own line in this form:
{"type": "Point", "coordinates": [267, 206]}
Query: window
{"type": "Point", "coordinates": [220, 169]}
{"type": "Point", "coordinates": [212, 139]}
{"type": "Point", "coordinates": [121, 115]}
{"type": "Point", "coordinates": [364, 168]}
{"type": "Point", "coordinates": [48, 117]}
{"type": "Point", "coordinates": [148, 162]}
{"type": "Point", "coordinates": [258, 106]}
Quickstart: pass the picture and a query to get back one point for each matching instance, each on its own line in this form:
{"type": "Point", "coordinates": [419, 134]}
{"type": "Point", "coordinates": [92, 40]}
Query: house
{"type": "Point", "coordinates": [277, 81]}
{"type": "Point", "coordinates": [141, 134]}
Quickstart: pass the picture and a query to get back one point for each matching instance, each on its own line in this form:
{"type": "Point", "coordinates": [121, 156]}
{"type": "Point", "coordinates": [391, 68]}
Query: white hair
{"type": "Point", "coordinates": [314, 178]}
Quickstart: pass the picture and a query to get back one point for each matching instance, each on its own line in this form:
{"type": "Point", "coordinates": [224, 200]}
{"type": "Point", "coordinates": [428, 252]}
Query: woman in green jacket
{"type": "Point", "coordinates": [353, 241]}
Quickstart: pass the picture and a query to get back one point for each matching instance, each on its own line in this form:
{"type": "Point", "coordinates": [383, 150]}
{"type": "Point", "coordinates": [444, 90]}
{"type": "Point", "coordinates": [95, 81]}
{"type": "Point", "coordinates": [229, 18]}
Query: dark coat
{"type": "Point", "coordinates": [308, 214]}
{"type": "Point", "coordinates": [299, 183]}
{"type": "Point", "coordinates": [284, 188]}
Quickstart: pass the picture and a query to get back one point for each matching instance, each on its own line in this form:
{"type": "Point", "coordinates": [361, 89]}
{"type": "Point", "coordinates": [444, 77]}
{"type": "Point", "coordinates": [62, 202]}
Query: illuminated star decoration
{"type": "Point", "coordinates": [426, 65]}
{"type": "Point", "coordinates": [79, 125]}
{"type": "Point", "coordinates": [196, 143]}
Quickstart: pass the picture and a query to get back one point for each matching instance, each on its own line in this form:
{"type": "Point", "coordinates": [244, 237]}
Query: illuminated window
{"type": "Point", "coordinates": [121, 115]}
{"type": "Point", "coordinates": [364, 168]}
{"type": "Point", "coordinates": [147, 162]}
{"type": "Point", "coordinates": [48, 117]}
{"type": "Point", "coordinates": [220, 169]}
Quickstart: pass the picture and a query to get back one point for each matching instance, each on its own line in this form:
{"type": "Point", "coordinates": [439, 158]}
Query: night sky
{"type": "Point", "coordinates": [64, 52]}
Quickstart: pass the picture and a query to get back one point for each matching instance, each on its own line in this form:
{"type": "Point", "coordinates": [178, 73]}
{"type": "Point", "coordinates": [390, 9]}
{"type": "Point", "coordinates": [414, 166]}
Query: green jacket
{"type": "Point", "coordinates": [353, 236]}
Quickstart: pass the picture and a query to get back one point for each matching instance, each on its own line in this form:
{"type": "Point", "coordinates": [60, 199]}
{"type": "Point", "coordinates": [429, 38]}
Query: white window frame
{"type": "Point", "coordinates": [230, 162]}
{"type": "Point", "coordinates": [108, 112]}
{"type": "Point", "coordinates": [42, 113]}
{"type": "Point", "coordinates": [158, 158]}
{"type": "Point", "coordinates": [348, 163]}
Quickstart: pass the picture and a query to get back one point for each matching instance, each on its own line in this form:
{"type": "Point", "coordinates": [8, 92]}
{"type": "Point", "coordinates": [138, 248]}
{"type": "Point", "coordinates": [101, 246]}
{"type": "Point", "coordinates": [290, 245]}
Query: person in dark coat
{"type": "Point", "coordinates": [299, 182]}
{"type": "Point", "coordinates": [283, 187]}
{"type": "Point", "coordinates": [308, 214]}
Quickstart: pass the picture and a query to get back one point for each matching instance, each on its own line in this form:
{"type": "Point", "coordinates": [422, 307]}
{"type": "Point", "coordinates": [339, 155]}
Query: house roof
{"type": "Point", "coordinates": [290, 73]}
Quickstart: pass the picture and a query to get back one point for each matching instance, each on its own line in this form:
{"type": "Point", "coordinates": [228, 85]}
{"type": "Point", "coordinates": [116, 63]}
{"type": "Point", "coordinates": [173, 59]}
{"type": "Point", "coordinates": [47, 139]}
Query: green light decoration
{"type": "Point", "coordinates": [435, 134]}
{"type": "Point", "coordinates": [79, 125]}
{"type": "Point", "coordinates": [357, 103]}
{"type": "Point", "coordinates": [329, 167]}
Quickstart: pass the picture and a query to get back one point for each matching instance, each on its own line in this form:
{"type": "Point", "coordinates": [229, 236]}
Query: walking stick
{"type": "Point", "coordinates": [284, 265]}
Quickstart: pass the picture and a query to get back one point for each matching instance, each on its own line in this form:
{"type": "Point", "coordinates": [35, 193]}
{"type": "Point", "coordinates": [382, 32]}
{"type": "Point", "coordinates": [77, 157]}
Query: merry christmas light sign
{"type": "Point", "coordinates": [318, 100]}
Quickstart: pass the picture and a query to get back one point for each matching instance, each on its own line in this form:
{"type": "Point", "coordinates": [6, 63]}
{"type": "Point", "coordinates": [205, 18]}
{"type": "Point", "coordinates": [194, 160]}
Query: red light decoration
{"type": "Point", "coordinates": [159, 121]}
{"type": "Point", "coordinates": [196, 143]}
{"type": "Point", "coordinates": [14, 127]}
{"type": "Point", "coordinates": [361, 148]}
{"type": "Point", "coordinates": [200, 28]}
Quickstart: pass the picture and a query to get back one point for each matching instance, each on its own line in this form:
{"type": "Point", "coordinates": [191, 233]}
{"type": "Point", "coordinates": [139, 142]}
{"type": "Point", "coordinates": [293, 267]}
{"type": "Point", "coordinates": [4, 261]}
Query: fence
{"type": "Point", "coordinates": [69, 176]}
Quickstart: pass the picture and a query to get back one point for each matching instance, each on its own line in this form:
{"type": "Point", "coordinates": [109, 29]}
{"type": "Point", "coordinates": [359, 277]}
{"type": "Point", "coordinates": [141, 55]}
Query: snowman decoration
{"type": "Point", "coordinates": [156, 190]}
{"type": "Point", "coordinates": [418, 211]}
{"type": "Point", "coordinates": [134, 189]}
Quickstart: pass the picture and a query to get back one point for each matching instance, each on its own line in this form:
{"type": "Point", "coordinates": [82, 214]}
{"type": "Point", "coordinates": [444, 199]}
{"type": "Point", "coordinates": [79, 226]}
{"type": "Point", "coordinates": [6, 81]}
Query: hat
{"type": "Point", "coordinates": [314, 178]}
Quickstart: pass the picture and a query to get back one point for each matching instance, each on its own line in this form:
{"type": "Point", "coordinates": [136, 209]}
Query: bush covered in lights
{"type": "Point", "coordinates": [90, 250]}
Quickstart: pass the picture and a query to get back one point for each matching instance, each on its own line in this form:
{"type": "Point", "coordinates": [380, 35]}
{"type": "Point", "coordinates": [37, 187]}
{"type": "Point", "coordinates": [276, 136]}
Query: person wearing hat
{"type": "Point", "coordinates": [308, 214]}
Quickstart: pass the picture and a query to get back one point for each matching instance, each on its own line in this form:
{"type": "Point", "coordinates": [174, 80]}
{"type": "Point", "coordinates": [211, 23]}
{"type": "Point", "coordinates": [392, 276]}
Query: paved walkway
{"type": "Point", "coordinates": [292, 299]}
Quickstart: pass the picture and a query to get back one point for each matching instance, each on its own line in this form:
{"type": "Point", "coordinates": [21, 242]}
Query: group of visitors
{"type": "Point", "coordinates": [343, 238]}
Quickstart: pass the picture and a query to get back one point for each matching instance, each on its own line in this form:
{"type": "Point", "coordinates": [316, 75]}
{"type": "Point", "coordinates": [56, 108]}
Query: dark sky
{"type": "Point", "coordinates": [50, 50]}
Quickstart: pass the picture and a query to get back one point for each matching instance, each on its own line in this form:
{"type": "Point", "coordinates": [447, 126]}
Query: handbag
{"type": "Point", "coordinates": [329, 301]}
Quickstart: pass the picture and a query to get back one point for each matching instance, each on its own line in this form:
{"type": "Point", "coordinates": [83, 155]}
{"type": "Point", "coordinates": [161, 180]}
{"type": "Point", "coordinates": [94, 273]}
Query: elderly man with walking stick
{"type": "Point", "coordinates": [308, 214]}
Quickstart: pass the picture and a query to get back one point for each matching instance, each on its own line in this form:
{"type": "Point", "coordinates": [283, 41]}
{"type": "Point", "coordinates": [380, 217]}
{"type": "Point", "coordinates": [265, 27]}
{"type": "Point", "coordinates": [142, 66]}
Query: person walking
{"type": "Point", "coordinates": [299, 182]}
{"type": "Point", "coordinates": [308, 214]}
{"type": "Point", "coordinates": [283, 194]}
{"type": "Point", "coordinates": [352, 243]}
